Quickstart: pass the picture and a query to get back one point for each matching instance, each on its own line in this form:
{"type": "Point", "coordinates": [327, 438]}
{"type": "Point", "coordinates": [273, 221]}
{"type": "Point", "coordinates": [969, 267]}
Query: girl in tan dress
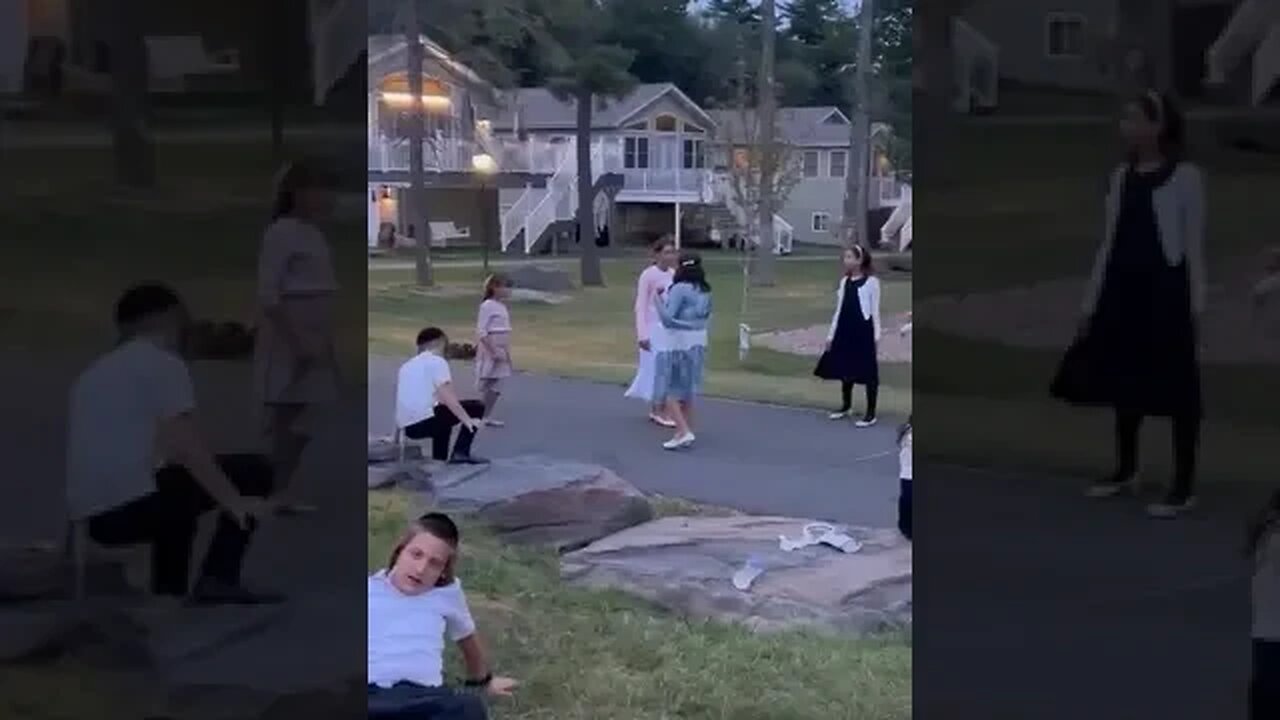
{"type": "Point", "coordinates": [295, 371]}
{"type": "Point", "coordinates": [493, 346]}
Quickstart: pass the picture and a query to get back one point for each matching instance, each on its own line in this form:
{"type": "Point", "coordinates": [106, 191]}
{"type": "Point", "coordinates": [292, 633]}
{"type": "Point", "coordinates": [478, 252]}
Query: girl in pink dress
{"type": "Point", "coordinates": [493, 344]}
{"type": "Point", "coordinates": [295, 366]}
{"type": "Point", "coordinates": [649, 332]}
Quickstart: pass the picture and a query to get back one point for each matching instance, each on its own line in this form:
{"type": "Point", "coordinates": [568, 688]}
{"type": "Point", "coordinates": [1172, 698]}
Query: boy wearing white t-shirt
{"type": "Point", "coordinates": [415, 605]}
{"type": "Point", "coordinates": [427, 406]}
{"type": "Point", "coordinates": [138, 468]}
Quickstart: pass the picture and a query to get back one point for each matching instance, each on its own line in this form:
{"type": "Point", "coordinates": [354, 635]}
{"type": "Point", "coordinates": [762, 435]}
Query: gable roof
{"type": "Point", "coordinates": [800, 126]}
{"type": "Point", "coordinates": [539, 109]}
{"type": "Point", "coordinates": [389, 54]}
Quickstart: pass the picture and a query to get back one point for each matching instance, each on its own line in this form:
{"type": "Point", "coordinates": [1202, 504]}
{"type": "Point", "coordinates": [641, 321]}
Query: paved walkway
{"type": "Point", "coordinates": [757, 458]}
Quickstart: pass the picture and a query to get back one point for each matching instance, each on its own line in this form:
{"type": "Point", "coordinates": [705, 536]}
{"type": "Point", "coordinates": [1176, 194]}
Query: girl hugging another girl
{"type": "Point", "coordinates": [414, 605]}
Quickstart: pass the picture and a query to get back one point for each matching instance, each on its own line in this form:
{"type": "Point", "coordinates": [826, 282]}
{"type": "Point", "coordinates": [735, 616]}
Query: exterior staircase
{"type": "Point", "coordinates": [977, 65]}
{"type": "Point", "coordinates": [1253, 31]}
{"type": "Point", "coordinates": [723, 214]}
{"type": "Point", "coordinates": [338, 38]}
{"type": "Point", "coordinates": [541, 212]}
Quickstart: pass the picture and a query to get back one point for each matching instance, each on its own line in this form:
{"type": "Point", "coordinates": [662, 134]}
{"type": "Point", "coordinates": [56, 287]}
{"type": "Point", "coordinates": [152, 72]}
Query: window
{"type": "Point", "coordinates": [839, 161]}
{"type": "Point", "coordinates": [1064, 35]}
{"type": "Point", "coordinates": [635, 153]}
{"type": "Point", "coordinates": [821, 222]}
{"type": "Point", "coordinates": [811, 163]}
{"type": "Point", "coordinates": [664, 123]}
{"type": "Point", "coordinates": [694, 155]}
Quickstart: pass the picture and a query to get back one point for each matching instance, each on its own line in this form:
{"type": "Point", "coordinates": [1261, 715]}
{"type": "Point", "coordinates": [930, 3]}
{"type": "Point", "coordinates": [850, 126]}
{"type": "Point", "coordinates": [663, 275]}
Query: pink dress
{"type": "Point", "coordinates": [296, 276]}
{"type": "Point", "coordinates": [494, 324]}
{"type": "Point", "coordinates": [653, 281]}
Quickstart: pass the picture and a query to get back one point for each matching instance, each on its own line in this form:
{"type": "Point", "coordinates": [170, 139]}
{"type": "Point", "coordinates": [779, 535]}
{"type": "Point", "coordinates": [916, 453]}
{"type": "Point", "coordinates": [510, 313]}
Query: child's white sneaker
{"type": "Point", "coordinates": [866, 422]}
{"type": "Point", "coordinates": [680, 442]}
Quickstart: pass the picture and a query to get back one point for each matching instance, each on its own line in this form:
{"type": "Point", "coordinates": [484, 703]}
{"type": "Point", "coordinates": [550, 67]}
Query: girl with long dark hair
{"type": "Point", "coordinates": [854, 336]}
{"type": "Point", "coordinates": [1136, 351]}
{"type": "Point", "coordinates": [685, 313]}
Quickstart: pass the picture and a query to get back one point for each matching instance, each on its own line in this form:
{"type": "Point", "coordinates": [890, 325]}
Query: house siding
{"type": "Point", "coordinates": [813, 195]}
{"type": "Point", "coordinates": [1019, 30]}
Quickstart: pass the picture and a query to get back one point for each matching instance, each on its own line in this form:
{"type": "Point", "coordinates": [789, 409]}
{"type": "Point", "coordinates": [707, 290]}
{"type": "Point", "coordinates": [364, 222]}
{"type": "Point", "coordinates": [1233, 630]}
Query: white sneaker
{"type": "Point", "coordinates": [659, 420]}
{"type": "Point", "coordinates": [1166, 509]}
{"type": "Point", "coordinates": [840, 415]}
{"type": "Point", "coordinates": [865, 422]}
{"type": "Point", "coordinates": [679, 443]}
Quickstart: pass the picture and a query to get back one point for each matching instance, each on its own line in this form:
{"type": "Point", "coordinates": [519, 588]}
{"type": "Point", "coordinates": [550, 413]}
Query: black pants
{"type": "Point", "coordinates": [167, 520]}
{"type": "Point", "coordinates": [1264, 688]}
{"type": "Point", "coordinates": [846, 397]}
{"type": "Point", "coordinates": [439, 427]}
{"type": "Point", "coordinates": [410, 701]}
{"type": "Point", "coordinates": [904, 507]}
{"type": "Point", "coordinates": [1186, 439]}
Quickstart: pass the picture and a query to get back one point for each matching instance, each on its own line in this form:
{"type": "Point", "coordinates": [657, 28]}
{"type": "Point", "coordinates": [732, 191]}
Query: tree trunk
{"type": "Point", "coordinates": [763, 271]}
{"type": "Point", "coordinates": [417, 132]}
{"type": "Point", "coordinates": [134, 147]}
{"type": "Point", "coordinates": [592, 275]}
{"type": "Point", "coordinates": [933, 88]}
{"type": "Point", "coordinates": [275, 52]}
{"type": "Point", "coordinates": [858, 172]}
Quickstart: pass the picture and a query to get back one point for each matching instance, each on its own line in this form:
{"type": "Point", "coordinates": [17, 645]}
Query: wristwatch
{"type": "Point", "coordinates": [482, 682]}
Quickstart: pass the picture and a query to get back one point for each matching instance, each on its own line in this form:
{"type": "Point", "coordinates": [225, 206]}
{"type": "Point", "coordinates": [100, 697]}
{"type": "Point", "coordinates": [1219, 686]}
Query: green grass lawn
{"type": "Point", "coordinates": [74, 240]}
{"type": "Point", "coordinates": [592, 336]}
{"type": "Point", "coordinates": [1016, 205]}
{"type": "Point", "coordinates": [592, 655]}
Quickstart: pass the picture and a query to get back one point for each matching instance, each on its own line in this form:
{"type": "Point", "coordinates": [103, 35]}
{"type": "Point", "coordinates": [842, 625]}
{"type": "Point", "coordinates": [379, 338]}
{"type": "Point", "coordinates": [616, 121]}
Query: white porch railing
{"type": "Point", "coordinates": [721, 193]}
{"type": "Point", "coordinates": [977, 67]}
{"type": "Point", "coordinates": [453, 154]}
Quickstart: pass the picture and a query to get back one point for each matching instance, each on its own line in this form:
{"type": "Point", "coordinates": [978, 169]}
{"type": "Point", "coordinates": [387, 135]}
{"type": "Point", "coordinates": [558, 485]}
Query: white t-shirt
{"type": "Point", "coordinates": [407, 632]}
{"type": "Point", "coordinates": [117, 405]}
{"type": "Point", "coordinates": [416, 387]}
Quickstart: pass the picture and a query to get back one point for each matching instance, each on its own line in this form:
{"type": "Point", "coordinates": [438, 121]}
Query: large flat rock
{"type": "Point", "coordinates": [544, 501]}
{"type": "Point", "coordinates": [685, 564]}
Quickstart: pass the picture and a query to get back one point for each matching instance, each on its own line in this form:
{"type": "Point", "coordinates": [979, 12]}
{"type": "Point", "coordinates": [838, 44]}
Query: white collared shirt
{"type": "Point", "coordinates": [416, 385]}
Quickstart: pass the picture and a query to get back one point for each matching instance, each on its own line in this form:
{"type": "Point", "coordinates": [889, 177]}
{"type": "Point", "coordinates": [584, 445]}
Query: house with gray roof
{"type": "Point", "coordinates": [1226, 49]}
{"type": "Point", "coordinates": [817, 142]}
{"type": "Point", "coordinates": [658, 162]}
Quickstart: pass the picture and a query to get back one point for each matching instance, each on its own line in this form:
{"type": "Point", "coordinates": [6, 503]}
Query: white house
{"type": "Point", "coordinates": [1189, 46]}
{"type": "Point", "coordinates": [501, 167]}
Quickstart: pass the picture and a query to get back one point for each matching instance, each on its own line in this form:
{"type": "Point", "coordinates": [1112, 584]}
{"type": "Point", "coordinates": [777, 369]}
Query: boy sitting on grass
{"type": "Point", "coordinates": [413, 605]}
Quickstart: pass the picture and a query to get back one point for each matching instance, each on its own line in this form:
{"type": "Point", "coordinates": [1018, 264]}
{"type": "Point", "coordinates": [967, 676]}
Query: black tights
{"type": "Point", "coordinates": [1186, 438]}
{"type": "Point", "coordinates": [846, 397]}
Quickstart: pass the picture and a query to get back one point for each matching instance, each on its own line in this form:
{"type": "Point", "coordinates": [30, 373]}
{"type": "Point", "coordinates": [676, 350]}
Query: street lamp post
{"type": "Point", "coordinates": [484, 167]}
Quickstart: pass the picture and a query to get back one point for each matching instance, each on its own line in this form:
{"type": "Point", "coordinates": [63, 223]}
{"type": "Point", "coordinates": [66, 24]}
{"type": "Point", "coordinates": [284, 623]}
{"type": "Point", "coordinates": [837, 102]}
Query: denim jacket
{"type": "Point", "coordinates": [684, 307]}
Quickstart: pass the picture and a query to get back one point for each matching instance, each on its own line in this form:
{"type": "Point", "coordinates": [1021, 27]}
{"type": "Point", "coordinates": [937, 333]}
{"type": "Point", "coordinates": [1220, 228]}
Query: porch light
{"type": "Point", "coordinates": [386, 193]}
{"type": "Point", "coordinates": [429, 102]}
{"type": "Point", "coordinates": [484, 164]}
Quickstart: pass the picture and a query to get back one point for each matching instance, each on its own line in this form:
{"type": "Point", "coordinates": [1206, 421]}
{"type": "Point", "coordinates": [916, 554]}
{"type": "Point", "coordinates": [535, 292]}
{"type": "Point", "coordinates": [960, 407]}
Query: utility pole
{"type": "Point", "coordinates": [859, 170]}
